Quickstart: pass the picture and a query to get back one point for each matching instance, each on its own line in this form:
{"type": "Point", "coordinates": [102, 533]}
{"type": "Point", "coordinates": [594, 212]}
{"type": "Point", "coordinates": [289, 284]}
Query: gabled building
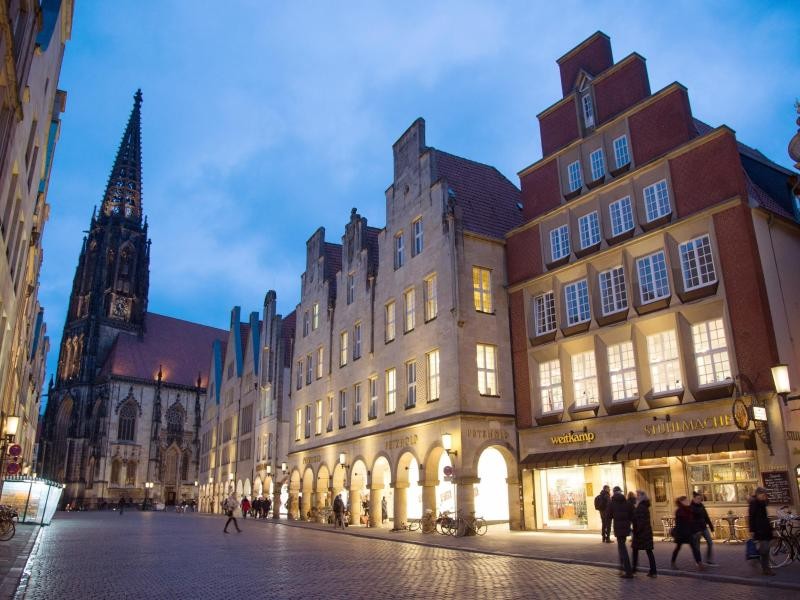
{"type": "Point", "coordinates": [652, 287]}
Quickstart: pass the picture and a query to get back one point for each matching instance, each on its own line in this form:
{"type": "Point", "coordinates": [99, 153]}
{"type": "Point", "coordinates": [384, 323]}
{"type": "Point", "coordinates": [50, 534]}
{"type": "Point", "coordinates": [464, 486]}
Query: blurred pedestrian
{"type": "Point", "coordinates": [245, 507]}
{"type": "Point", "coordinates": [121, 505]}
{"type": "Point", "coordinates": [384, 511]}
{"type": "Point", "coordinates": [338, 512]}
{"type": "Point", "coordinates": [601, 505]}
{"type": "Point", "coordinates": [760, 527]}
{"type": "Point", "coordinates": [621, 514]}
{"type": "Point", "coordinates": [643, 532]}
{"type": "Point", "coordinates": [229, 506]}
{"type": "Point", "coordinates": [702, 526]}
{"type": "Point", "coordinates": [683, 532]}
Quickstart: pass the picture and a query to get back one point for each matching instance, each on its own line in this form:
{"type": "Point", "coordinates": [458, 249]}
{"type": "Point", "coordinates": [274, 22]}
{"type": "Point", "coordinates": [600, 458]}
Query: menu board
{"type": "Point", "coordinates": [777, 484]}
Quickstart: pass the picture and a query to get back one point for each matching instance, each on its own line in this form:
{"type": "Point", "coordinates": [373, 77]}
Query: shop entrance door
{"type": "Point", "coordinates": [660, 491]}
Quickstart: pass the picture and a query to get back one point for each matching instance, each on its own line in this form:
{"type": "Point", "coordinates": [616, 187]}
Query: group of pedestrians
{"type": "Point", "coordinates": [692, 523]}
{"type": "Point", "coordinates": [627, 515]}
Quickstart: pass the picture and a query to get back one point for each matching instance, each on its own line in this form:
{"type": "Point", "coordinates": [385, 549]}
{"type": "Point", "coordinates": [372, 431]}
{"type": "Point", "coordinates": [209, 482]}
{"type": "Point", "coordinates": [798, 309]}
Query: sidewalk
{"type": "Point", "coordinates": [14, 556]}
{"type": "Point", "coordinates": [582, 548]}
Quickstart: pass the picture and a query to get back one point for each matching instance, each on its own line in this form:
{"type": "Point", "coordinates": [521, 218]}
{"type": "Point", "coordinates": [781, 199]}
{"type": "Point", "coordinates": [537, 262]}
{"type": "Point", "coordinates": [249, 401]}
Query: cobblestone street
{"type": "Point", "coordinates": [165, 555]}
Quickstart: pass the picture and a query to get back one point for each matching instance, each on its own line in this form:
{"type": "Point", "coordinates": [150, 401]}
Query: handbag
{"type": "Point", "coordinates": [751, 550]}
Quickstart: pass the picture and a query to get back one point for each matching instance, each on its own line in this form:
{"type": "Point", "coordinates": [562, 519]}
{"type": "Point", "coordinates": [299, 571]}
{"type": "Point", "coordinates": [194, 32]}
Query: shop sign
{"type": "Point", "coordinates": [310, 460]}
{"type": "Point", "coordinates": [402, 442]}
{"type": "Point", "coordinates": [793, 435]}
{"type": "Point", "coordinates": [684, 425]}
{"type": "Point", "coordinates": [486, 434]}
{"type": "Point", "coordinates": [573, 438]}
{"type": "Point", "coordinates": [777, 484]}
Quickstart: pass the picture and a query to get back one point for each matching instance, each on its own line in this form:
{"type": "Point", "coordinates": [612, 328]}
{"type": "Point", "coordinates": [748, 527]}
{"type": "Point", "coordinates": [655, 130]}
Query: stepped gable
{"type": "Point", "coordinates": [179, 347]}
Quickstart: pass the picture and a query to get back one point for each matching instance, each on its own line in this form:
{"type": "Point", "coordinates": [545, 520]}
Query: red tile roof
{"type": "Point", "coordinates": [489, 201]}
{"type": "Point", "coordinates": [182, 349]}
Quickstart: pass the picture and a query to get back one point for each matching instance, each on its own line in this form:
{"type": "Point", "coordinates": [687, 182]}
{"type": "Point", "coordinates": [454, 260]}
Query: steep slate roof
{"type": "Point", "coordinates": [489, 201]}
{"type": "Point", "coordinates": [181, 348]}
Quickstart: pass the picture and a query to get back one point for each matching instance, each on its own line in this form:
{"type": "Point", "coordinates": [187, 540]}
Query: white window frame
{"type": "Point", "coordinates": [613, 292]}
{"type": "Point", "coordinates": [318, 426]}
{"type": "Point", "coordinates": [343, 347]}
{"type": "Point", "coordinates": [331, 410]}
{"type": "Point", "coordinates": [300, 374]}
{"type": "Point", "coordinates": [432, 362]}
{"type": "Point", "coordinates": [411, 384]}
{"type": "Point", "coordinates": [351, 287]}
{"type": "Point", "coordinates": [417, 232]}
{"type": "Point", "coordinates": [399, 250]}
{"type": "Point", "coordinates": [589, 229]}
{"type": "Point", "coordinates": [298, 424]}
{"type": "Point", "coordinates": [584, 379]}
{"type": "Point", "coordinates": [656, 200]}
{"type": "Point", "coordinates": [482, 290]}
{"type": "Point", "coordinates": [309, 368]}
{"type": "Point", "coordinates": [697, 263]}
{"type": "Point", "coordinates": [320, 362]}
{"type": "Point", "coordinates": [622, 154]}
{"type": "Point", "coordinates": [559, 242]}
{"type": "Point", "coordinates": [576, 298]}
{"type": "Point", "coordinates": [588, 110]}
{"type": "Point", "coordinates": [621, 214]}
{"type": "Point", "coordinates": [653, 274]}
{"type": "Point", "coordinates": [306, 323]}
{"type": "Point", "coordinates": [597, 163]}
{"type": "Point", "coordinates": [391, 390]}
{"type": "Point", "coordinates": [357, 340]}
{"type": "Point", "coordinates": [544, 313]}
{"type": "Point", "coordinates": [357, 403]}
{"type": "Point", "coordinates": [574, 176]}
{"type": "Point", "coordinates": [711, 352]}
{"type": "Point", "coordinates": [622, 372]}
{"type": "Point", "coordinates": [663, 356]}
{"type": "Point", "coordinates": [315, 316]}
{"type": "Point", "coordinates": [551, 394]}
{"type": "Point", "coordinates": [342, 409]}
{"type": "Point", "coordinates": [390, 317]}
{"type": "Point", "coordinates": [409, 310]}
{"type": "Point", "coordinates": [431, 298]}
{"type": "Point", "coordinates": [307, 430]}
{"type": "Point", "coordinates": [486, 361]}
{"type": "Point", "coordinates": [372, 412]}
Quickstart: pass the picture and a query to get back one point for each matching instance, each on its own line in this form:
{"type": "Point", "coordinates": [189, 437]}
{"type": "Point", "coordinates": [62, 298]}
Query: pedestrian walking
{"type": "Point", "coordinates": [702, 526]}
{"type": "Point", "coordinates": [643, 532]}
{"type": "Point", "coordinates": [267, 507]}
{"type": "Point", "coordinates": [338, 512]}
{"type": "Point", "coordinates": [683, 532]}
{"type": "Point", "coordinates": [229, 506]}
{"type": "Point", "coordinates": [384, 510]}
{"type": "Point", "coordinates": [621, 514]}
{"type": "Point", "coordinates": [760, 527]}
{"type": "Point", "coordinates": [601, 505]}
{"type": "Point", "coordinates": [121, 505]}
{"type": "Point", "coordinates": [245, 507]}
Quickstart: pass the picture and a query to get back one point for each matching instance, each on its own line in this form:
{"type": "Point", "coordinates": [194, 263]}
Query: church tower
{"type": "Point", "coordinates": [109, 292]}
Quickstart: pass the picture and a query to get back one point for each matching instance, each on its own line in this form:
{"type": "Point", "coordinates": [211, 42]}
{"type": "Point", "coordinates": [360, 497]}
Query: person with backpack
{"type": "Point", "coordinates": [621, 512]}
{"type": "Point", "coordinates": [229, 506]}
{"type": "Point", "coordinates": [601, 505]}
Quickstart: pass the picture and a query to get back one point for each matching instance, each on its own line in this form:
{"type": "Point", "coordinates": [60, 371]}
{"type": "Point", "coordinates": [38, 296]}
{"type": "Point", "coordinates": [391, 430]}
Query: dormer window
{"type": "Point", "coordinates": [588, 110]}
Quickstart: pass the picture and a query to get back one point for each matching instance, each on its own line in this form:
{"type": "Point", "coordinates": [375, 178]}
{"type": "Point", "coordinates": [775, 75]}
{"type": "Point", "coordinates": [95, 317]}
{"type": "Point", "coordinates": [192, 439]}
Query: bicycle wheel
{"type": "Point", "coordinates": [480, 526]}
{"type": "Point", "coordinates": [413, 524]}
{"type": "Point", "coordinates": [780, 552]}
{"type": "Point", "coordinates": [441, 526]}
{"type": "Point", "coordinates": [7, 530]}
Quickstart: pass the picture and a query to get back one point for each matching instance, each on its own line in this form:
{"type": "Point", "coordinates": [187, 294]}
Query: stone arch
{"type": "Point", "coordinates": [380, 490]}
{"type": "Point", "coordinates": [432, 459]}
{"type": "Point", "coordinates": [307, 492]}
{"type": "Point", "coordinates": [239, 488]}
{"type": "Point", "coordinates": [508, 453]}
{"type": "Point", "coordinates": [248, 488]}
{"type": "Point", "coordinates": [406, 458]}
{"type": "Point", "coordinates": [323, 483]}
{"type": "Point", "coordinates": [258, 487]}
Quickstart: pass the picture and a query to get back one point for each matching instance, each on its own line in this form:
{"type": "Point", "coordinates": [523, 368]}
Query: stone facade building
{"type": "Point", "coordinates": [32, 44]}
{"type": "Point", "coordinates": [124, 413]}
{"type": "Point", "coordinates": [650, 295]}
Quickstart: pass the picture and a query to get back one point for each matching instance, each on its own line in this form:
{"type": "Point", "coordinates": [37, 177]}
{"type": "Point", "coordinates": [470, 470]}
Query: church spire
{"type": "Point", "coordinates": [124, 190]}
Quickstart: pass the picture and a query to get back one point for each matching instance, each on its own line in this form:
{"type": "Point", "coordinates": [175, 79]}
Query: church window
{"type": "Point", "coordinates": [130, 474]}
{"type": "Point", "coordinates": [185, 467]}
{"type": "Point", "coordinates": [127, 422]}
{"type": "Point", "coordinates": [115, 469]}
{"type": "Point", "coordinates": [175, 418]}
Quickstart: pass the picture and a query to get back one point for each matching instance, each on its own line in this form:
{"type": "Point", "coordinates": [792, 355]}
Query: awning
{"type": "Point", "coordinates": [698, 444]}
{"type": "Point", "coordinates": [567, 458]}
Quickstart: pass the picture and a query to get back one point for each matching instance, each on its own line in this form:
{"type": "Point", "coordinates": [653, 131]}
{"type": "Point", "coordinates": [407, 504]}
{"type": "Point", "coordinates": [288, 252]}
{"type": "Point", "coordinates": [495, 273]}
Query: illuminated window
{"type": "Point", "coordinates": [373, 397]}
{"type": "Point", "coordinates": [342, 408]}
{"type": "Point", "coordinates": [390, 321]}
{"type": "Point", "coordinates": [724, 482]}
{"type": "Point", "coordinates": [622, 372]}
{"type": "Point", "coordinates": [487, 369]}
{"type": "Point", "coordinates": [320, 362]}
{"type": "Point", "coordinates": [598, 163]}
{"type": "Point", "coordinates": [656, 200]}
{"type": "Point", "coordinates": [343, 348]}
{"type": "Point", "coordinates": [391, 391]}
{"type": "Point", "coordinates": [416, 228]}
{"type": "Point", "coordinates": [330, 414]}
{"type": "Point", "coordinates": [315, 316]}
{"type": "Point", "coordinates": [653, 281]}
{"type": "Point", "coordinates": [621, 213]}
{"type": "Point", "coordinates": [432, 360]}
{"type": "Point", "coordinates": [575, 179]}
{"type": "Point", "coordinates": [584, 379]}
{"type": "Point", "coordinates": [482, 289]}
{"type": "Point", "coordinates": [298, 424]}
{"type": "Point", "coordinates": [559, 242]}
{"type": "Point", "coordinates": [589, 228]}
{"type": "Point", "coordinates": [613, 296]}
{"type": "Point", "coordinates": [409, 313]}
{"type": "Point", "coordinates": [697, 263]}
{"type": "Point", "coordinates": [357, 404]}
{"type": "Point", "coordinates": [711, 352]}
{"type": "Point", "coordinates": [357, 340]}
{"type": "Point", "coordinates": [411, 384]}
{"type": "Point", "coordinates": [665, 370]}
{"type": "Point", "coordinates": [577, 297]}
{"type": "Point", "coordinates": [351, 288]}
{"type": "Point", "coordinates": [550, 386]}
{"type": "Point", "coordinates": [318, 426]}
{"type": "Point", "coordinates": [431, 301]}
{"type": "Point", "coordinates": [544, 313]}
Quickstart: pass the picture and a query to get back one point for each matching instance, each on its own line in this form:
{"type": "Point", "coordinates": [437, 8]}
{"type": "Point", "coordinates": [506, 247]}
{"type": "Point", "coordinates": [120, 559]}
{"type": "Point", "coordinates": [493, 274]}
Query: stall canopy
{"type": "Point", "coordinates": [698, 444]}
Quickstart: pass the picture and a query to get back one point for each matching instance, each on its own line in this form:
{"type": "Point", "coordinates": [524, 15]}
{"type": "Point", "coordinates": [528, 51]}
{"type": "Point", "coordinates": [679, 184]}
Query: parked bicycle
{"type": "Point", "coordinates": [785, 546]}
{"type": "Point", "coordinates": [7, 527]}
{"type": "Point", "coordinates": [473, 524]}
{"type": "Point", "coordinates": [445, 524]}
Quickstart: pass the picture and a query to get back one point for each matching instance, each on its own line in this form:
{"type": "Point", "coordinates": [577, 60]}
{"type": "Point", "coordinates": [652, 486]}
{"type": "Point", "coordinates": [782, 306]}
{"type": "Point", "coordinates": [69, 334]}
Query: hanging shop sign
{"type": "Point", "coordinates": [685, 425]}
{"type": "Point", "coordinates": [573, 438]}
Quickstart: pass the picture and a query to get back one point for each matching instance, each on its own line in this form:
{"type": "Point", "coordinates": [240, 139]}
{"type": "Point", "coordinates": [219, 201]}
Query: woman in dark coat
{"type": "Point", "coordinates": [643, 532]}
{"type": "Point", "coordinates": [683, 532]}
{"type": "Point", "coordinates": [760, 527]}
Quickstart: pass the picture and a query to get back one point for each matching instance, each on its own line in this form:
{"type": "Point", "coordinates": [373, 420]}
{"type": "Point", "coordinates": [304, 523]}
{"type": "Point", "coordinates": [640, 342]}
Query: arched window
{"type": "Point", "coordinates": [130, 474]}
{"type": "Point", "coordinates": [115, 472]}
{"type": "Point", "coordinates": [127, 422]}
{"type": "Point", "coordinates": [171, 464]}
{"type": "Point", "coordinates": [185, 467]}
{"type": "Point", "coordinates": [176, 417]}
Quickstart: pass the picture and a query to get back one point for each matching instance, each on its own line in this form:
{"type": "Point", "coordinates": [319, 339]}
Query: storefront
{"type": "Point", "coordinates": [686, 449]}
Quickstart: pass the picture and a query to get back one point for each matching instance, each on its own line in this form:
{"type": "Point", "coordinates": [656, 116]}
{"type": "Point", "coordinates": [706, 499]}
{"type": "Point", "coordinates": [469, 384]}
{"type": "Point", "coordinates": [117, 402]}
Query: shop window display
{"type": "Point", "coordinates": [724, 482]}
{"type": "Point", "coordinates": [565, 505]}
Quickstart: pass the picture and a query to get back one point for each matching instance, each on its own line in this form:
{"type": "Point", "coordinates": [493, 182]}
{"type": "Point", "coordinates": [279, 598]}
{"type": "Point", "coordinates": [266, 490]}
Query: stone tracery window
{"type": "Point", "coordinates": [127, 422]}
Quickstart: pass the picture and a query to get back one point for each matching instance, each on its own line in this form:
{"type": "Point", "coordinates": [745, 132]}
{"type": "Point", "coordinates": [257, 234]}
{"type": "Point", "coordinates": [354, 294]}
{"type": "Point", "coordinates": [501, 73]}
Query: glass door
{"type": "Point", "coordinates": [660, 492]}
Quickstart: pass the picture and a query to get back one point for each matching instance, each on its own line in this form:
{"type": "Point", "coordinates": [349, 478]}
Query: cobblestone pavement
{"type": "Point", "coordinates": [13, 556]}
{"type": "Point", "coordinates": [165, 555]}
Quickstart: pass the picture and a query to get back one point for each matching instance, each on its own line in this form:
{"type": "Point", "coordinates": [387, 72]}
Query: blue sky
{"type": "Point", "coordinates": [264, 120]}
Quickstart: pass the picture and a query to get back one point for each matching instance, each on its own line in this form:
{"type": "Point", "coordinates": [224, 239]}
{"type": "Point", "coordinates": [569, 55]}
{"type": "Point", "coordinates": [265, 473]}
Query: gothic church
{"type": "Point", "coordinates": [125, 407]}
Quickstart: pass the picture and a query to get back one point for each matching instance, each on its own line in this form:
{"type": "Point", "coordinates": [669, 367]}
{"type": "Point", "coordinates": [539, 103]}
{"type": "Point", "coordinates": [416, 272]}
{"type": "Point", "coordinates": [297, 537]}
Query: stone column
{"type": "Point", "coordinates": [291, 509]}
{"type": "Point", "coordinates": [400, 503]}
{"type": "Point", "coordinates": [465, 495]}
{"type": "Point", "coordinates": [514, 521]}
{"type": "Point", "coordinates": [276, 502]}
{"type": "Point", "coordinates": [355, 507]}
{"type": "Point", "coordinates": [429, 497]}
{"type": "Point", "coordinates": [305, 505]}
{"type": "Point", "coordinates": [375, 495]}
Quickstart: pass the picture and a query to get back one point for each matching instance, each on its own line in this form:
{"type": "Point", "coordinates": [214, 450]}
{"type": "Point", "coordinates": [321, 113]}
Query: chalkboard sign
{"type": "Point", "coordinates": [777, 484]}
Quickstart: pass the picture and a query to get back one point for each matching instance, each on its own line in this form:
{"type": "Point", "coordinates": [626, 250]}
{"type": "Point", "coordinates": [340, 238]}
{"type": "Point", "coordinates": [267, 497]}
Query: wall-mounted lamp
{"type": "Point", "coordinates": [269, 469]}
{"type": "Point", "coordinates": [11, 426]}
{"type": "Point", "coordinates": [230, 476]}
{"type": "Point", "coordinates": [780, 376]}
{"type": "Point", "coordinates": [210, 479]}
{"type": "Point", "coordinates": [283, 468]}
{"type": "Point", "coordinates": [343, 460]}
{"type": "Point", "coordinates": [447, 444]}
{"type": "Point", "coordinates": [196, 483]}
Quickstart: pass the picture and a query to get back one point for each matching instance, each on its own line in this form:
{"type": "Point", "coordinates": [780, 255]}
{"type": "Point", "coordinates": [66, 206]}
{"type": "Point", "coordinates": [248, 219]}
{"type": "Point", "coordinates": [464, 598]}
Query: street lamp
{"type": "Point", "coordinates": [9, 432]}
{"type": "Point", "coordinates": [780, 376]}
{"type": "Point", "coordinates": [148, 485]}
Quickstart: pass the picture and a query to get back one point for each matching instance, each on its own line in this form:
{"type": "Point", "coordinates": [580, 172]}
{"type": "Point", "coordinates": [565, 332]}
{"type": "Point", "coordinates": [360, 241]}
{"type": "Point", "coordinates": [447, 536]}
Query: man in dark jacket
{"type": "Point", "coordinates": [702, 525]}
{"type": "Point", "coordinates": [621, 513]}
{"type": "Point", "coordinates": [760, 527]}
{"type": "Point", "coordinates": [601, 504]}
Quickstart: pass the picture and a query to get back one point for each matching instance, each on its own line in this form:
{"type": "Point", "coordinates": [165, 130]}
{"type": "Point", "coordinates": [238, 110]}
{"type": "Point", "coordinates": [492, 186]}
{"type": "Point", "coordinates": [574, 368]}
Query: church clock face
{"type": "Point", "coordinates": [120, 308]}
